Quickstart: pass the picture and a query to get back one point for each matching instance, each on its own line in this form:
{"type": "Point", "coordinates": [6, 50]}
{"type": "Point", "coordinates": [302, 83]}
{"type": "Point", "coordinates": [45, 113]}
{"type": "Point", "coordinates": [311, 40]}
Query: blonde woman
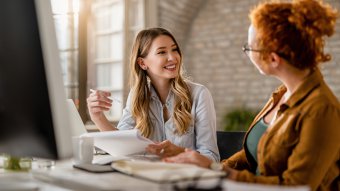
{"type": "Point", "coordinates": [294, 140]}
{"type": "Point", "coordinates": [162, 104]}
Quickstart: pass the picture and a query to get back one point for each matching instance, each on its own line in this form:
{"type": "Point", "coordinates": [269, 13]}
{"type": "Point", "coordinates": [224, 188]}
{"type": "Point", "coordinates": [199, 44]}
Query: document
{"type": "Point", "coordinates": [162, 172]}
{"type": "Point", "coordinates": [120, 143]}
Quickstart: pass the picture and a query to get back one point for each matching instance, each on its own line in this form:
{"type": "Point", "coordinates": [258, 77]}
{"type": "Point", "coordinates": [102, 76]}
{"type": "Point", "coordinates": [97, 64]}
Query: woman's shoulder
{"type": "Point", "coordinates": [197, 89]}
{"type": "Point", "coordinates": [320, 101]}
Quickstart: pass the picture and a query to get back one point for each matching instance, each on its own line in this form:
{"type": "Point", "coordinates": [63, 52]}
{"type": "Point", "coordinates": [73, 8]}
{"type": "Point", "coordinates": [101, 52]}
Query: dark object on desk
{"type": "Point", "coordinates": [95, 168]}
{"type": "Point", "coordinates": [229, 142]}
{"type": "Point", "coordinates": [195, 186]}
{"type": "Point", "coordinates": [98, 151]}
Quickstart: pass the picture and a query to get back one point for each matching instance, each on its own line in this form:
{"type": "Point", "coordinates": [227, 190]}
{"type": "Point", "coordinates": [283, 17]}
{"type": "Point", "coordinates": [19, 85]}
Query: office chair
{"type": "Point", "coordinates": [229, 142]}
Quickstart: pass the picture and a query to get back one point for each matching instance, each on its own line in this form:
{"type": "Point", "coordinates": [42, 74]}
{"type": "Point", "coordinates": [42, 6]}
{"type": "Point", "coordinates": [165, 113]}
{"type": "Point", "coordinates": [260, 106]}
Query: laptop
{"type": "Point", "coordinates": [77, 125]}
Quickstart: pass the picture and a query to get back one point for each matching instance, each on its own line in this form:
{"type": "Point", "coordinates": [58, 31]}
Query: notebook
{"type": "Point", "coordinates": [77, 125]}
{"type": "Point", "coordinates": [162, 172]}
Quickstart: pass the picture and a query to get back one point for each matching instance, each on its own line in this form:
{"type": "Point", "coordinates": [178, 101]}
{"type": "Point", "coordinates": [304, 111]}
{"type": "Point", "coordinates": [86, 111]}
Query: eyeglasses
{"type": "Point", "coordinates": [246, 49]}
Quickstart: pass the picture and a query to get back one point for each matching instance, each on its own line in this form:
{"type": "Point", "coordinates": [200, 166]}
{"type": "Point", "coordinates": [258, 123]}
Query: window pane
{"type": "Point", "coordinates": [110, 76]}
{"type": "Point", "coordinates": [103, 47]}
{"type": "Point", "coordinates": [66, 31]}
{"type": "Point", "coordinates": [117, 76]}
{"type": "Point", "coordinates": [102, 18]}
{"type": "Point", "coordinates": [103, 75]}
{"type": "Point", "coordinates": [110, 47]}
{"type": "Point", "coordinates": [69, 60]}
{"type": "Point", "coordinates": [117, 17]}
{"type": "Point", "coordinates": [136, 13]}
{"type": "Point", "coordinates": [117, 47]}
{"type": "Point", "coordinates": [65, 14]}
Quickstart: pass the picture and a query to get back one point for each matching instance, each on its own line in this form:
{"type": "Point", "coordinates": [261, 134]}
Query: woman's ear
{"type": "Point", "coordinates": [141, 63]}
{"type": "Point", "coordinates": [275, 60]}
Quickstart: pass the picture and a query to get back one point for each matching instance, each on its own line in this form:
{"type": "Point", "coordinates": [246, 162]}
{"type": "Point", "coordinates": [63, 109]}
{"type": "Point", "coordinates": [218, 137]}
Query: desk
{"type": "Point", "coordinates": [63, 177]}
{"type": "Point", "coordinates": [24, 181]}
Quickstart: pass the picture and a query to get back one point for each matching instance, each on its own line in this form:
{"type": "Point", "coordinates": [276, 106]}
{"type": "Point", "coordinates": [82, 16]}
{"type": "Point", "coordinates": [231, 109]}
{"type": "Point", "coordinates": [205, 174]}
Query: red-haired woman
{"type": "Point", "coordinates": [295, 139]}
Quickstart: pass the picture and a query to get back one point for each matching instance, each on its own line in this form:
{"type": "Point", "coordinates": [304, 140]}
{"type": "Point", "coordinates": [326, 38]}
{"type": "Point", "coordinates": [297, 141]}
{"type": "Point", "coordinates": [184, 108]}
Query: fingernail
{"type": "Point", "coordinates": [161, 152]}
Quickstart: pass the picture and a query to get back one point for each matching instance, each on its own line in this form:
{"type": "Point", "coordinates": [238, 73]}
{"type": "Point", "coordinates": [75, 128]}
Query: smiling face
{"type": "Point", "coordinates": [163, 59]}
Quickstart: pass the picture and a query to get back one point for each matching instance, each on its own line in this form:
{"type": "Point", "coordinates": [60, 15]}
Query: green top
{"type": "Point", "coordinates": [253, 138]}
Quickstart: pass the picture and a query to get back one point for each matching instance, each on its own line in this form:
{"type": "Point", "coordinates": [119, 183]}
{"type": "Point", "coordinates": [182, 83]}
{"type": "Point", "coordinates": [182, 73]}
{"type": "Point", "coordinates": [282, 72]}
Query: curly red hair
{"type": "Point", "coordinates": [294, 30]}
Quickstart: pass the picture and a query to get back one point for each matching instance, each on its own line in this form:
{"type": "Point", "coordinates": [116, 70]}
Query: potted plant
{"type": "Point", "coordinates": [238, 119]}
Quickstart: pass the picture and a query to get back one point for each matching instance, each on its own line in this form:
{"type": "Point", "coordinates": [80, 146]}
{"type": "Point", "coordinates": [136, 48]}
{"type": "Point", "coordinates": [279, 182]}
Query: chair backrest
{"type": "Point", "coordinates": [229, 142]}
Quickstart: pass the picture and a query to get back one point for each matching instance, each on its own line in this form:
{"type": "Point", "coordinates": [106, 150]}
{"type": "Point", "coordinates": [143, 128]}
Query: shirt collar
{"type": "Point", "coordinates": [154, 95]}
{"type": "Point", "coordinates": [153, 92]}
{"type": "Point", "coordinates": [312, 81]}
{"type": "Point", "coordinates": [278, 93]}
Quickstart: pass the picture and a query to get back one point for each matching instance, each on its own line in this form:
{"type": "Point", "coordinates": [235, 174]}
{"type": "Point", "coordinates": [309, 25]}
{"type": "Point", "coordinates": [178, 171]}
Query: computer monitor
{"type": "Point", "coordinates": [34, 119]}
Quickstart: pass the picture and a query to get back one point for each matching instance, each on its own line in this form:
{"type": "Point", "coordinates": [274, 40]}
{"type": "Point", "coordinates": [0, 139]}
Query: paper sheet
{"type": "Point", "coordinates": [120, 143]}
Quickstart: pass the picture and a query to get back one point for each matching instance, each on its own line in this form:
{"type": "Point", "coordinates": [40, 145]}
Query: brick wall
{"type": "Point", "coordinates": [211, 33]}
{"type": "Point", "coordinates": [178, 16]}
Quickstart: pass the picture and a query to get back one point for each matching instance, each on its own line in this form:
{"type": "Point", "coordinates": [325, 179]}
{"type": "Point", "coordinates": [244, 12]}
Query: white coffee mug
{"type": "Point", "coordinates": [82, 150]}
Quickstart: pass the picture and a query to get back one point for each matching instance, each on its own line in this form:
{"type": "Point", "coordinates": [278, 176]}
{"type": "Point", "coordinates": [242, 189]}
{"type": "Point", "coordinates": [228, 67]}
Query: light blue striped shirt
{"type": "Point", "coordinates": [201, 135]}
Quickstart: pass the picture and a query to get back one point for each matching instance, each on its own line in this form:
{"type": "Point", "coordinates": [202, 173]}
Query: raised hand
{"type": "Point", "coordinates": [98, 102]}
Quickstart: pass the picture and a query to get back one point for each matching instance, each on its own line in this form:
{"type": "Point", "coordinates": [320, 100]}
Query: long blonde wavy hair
{"type": "Point", "coordinates": [141, 90]}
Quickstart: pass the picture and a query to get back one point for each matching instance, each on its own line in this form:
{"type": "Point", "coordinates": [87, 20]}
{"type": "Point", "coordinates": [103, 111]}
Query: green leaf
{"type": "Point", "coordinates": [238, 119]}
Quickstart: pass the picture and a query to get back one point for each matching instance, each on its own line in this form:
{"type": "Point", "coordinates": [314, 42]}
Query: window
{"type": "Point", "coordinates": [114, 24]}
{"type": "Point", "coordinates": [111, 26]}
{"type": "Point", "coordinates": [65, 14]}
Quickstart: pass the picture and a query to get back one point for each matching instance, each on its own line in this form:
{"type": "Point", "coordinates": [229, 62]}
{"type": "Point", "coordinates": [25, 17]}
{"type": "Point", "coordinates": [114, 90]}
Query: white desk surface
{"type": "Point", "coordinates": [63, 177]}
{"type": "Point", "coordinates": [24, 181]}
{"type": "Point", "coordinates": [66, 176]}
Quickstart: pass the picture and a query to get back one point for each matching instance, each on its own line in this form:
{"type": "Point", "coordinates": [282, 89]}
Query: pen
{"type": "Point", "coordinates": [113, 98]}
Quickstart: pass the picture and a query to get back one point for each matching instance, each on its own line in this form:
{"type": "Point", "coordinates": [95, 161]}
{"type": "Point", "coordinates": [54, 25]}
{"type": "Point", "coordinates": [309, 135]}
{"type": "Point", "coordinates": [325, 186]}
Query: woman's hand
{"type": "Point", "coordinates": [191, 157]}
{"type": "Point", "coordinates": [231, 173]}
{"type": "Point", "coordinates": [164, 149]}
{"type": "Point", "coordinates": [97, 103]}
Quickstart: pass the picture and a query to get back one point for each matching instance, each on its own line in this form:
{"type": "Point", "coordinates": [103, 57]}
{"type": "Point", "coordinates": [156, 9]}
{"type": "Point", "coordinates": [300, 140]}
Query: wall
{"type": "Point", "coordinates": [178, 17]}
{"type": "Point", "coordinates": [211, 33]}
